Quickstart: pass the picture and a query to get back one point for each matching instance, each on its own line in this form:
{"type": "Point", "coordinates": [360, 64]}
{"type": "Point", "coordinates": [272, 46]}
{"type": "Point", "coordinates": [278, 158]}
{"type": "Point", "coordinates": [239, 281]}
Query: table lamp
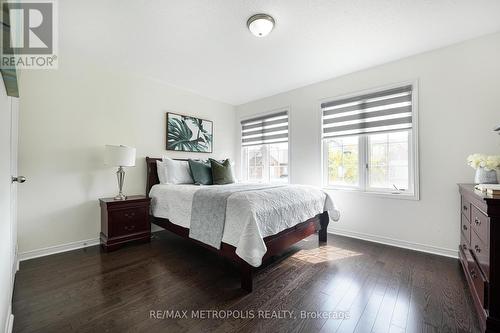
{"type": "Point", "coordinates": [120, 156]}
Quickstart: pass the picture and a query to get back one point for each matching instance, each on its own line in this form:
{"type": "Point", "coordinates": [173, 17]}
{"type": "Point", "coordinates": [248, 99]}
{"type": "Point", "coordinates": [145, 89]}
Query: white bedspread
{"type": "Point", "coordinates": [251, 216]}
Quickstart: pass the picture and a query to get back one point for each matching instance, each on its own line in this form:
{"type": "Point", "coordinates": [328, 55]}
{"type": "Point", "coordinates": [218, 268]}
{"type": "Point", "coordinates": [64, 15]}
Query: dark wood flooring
{"type": "Point", "coordinates": [377, 288]}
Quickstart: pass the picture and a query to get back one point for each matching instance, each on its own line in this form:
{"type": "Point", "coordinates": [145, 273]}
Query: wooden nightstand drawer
{"type": "Point", "coordinates": [129, 221]}
{"type": "Point", "coordinates": [123, 221]}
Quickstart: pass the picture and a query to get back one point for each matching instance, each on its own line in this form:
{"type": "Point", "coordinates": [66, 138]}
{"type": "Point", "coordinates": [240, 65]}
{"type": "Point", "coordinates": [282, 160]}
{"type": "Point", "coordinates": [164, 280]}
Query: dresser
{"type": "Point", "coordinates": [124, 221]}
{"type": "Point", "coordinates": [479, 253]}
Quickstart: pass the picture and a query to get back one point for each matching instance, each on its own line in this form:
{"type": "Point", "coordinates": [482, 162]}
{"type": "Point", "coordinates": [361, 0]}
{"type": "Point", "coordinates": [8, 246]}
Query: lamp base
{"type": "Point", "coordinates": [120, 176]}
{"type": "Point", "coordinates": [120, 196]}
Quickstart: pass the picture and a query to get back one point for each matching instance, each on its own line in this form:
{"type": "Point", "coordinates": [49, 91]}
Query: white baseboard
{"type": "Point", "coordinates": [57, 249]}
{"type": "Point", "coordinates": [396, 242]}
{"type": "Point", "coordinates": [9, 324]}
{"type": "Point", "coordinates": [347, 233]}
{"type": "Point", "coordinates": [155, 228]}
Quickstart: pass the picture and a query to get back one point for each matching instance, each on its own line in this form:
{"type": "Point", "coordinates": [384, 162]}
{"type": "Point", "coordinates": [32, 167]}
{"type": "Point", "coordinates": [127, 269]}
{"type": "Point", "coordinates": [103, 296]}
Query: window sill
{"type": "Point", "coordinates": [388, 195]}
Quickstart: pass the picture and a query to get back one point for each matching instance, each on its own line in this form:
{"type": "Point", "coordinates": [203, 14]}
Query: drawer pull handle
{"type": "Point", "coordinates": [477, 221]}
{"type": "Point", "coordinates": [129, 215]}
{"type": "Point", "coordinates": [477, 248]}
{"type": "Point", "coordinates": [129, 228]}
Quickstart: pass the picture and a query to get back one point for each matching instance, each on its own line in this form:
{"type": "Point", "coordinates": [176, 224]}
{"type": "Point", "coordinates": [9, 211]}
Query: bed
{"type": "Point", "coordinates": [248, 238]}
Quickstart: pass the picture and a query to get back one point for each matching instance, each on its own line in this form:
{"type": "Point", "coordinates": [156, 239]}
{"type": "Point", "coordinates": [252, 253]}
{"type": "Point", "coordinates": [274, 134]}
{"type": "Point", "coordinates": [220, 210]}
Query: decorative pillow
{"type": "Point", "coordinates": [201, 172]}
{"type": "Point", "coordinates": [177, 171]}
{"type": "Point", "coordinates": [161, 169]}
{"type": "Point", "coordinates": [222, 173]}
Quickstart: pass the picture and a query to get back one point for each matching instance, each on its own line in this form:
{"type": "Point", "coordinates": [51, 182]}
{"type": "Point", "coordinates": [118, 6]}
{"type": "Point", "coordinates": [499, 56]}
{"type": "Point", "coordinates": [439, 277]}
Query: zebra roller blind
{"type": "Point", "coordinates": [381, 111]}
{"type": "Point", "coordinates": [272, 128]}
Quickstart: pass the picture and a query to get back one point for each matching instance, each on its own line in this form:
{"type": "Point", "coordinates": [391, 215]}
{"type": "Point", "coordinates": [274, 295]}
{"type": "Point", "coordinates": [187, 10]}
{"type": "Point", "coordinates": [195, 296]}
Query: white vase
{"type": "Point", "coordinates": [484, 176]}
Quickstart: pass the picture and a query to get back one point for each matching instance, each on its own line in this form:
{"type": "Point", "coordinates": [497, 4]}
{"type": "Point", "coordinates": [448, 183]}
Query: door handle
{"type": "Point", "coordinates": [19, 179]}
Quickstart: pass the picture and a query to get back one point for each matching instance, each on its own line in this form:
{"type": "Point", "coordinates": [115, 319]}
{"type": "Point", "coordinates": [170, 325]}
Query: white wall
{"type": "Point", "coordinates": [66, 117]}
{"type": "Point", "coordinates": [459, 99]}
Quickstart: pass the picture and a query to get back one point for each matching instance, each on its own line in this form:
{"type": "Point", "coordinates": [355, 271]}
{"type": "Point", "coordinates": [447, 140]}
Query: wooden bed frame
{"type": "Point", "coordinates": [275, 243]}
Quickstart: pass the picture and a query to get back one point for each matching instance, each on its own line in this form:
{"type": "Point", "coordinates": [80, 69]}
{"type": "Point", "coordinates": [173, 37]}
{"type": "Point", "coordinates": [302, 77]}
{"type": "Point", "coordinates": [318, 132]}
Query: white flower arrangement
{"type": "Point", "coordinates": [488, 162]}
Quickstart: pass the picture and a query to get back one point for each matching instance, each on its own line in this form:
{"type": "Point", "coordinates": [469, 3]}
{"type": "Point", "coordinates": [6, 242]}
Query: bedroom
{"type": "Point", "coordinates": [345, 127]}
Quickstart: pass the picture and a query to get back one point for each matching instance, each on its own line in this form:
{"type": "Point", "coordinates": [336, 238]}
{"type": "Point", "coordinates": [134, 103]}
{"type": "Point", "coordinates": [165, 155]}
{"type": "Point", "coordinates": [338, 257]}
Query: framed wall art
{"type": "Point", "coordinates": [188, 133]}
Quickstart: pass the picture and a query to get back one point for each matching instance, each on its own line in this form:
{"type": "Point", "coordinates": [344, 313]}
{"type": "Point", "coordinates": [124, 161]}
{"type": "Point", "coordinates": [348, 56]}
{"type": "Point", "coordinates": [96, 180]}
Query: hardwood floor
{"type": "Point", "coordinates": [376, 288]}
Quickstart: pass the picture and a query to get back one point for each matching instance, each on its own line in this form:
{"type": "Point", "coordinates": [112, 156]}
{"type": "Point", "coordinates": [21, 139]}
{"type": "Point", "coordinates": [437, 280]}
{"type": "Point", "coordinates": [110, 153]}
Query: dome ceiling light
{"type": "Point", "coordinates": [260, 25]}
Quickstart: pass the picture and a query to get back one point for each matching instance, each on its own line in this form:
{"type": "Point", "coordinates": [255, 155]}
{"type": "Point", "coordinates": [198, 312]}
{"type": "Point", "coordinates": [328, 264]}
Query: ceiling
{"type": "Point", "coordinates": [204, 46]}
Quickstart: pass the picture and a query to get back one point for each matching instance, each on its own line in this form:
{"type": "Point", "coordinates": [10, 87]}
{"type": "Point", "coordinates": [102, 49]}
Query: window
{"type": "Point", "coordinates": [264, 143]}
{"type": "Point", "coordinates": [343, 157]}
{"type": "Point", "coordinates": [388, 161]}
{"type": "Point", "coordinates": [369, 142]}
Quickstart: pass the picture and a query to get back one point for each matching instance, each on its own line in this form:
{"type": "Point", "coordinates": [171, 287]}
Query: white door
{"type": "Point", "coordinates": [7, 240]}
{"type": "Point", "coordinates": [13, 185]}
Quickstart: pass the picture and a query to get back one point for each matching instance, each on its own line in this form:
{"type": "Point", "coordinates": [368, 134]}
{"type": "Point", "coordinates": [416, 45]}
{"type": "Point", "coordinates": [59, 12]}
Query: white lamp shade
{"type": "Point", "coordinates": [119, 155]}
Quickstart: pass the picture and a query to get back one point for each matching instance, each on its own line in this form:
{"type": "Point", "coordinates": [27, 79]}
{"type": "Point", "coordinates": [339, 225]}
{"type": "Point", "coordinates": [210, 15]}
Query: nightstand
{"type": "Point", "coordinates": [124, 221]}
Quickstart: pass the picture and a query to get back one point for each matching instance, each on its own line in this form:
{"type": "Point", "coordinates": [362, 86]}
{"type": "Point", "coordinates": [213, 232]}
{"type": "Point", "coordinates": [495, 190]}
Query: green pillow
{"type": "Point", "coordinates": [222, 173]}
{"type": "Point", "coordinates": [201, 171]}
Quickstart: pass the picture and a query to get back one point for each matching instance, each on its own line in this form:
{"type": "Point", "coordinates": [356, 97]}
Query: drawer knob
{"type": "Point", "coordinates": [464, 246]}
{"type": "Point", "coordinates": [477, 248]}
{"type": "Point", "coordinates": [477, 221]}
{"type": "Point", "coordinates": [464, 227]}
{"type": "Point", "coordinates": [473, 273]}
{"type": "Point", "coordinates": [465, 207]}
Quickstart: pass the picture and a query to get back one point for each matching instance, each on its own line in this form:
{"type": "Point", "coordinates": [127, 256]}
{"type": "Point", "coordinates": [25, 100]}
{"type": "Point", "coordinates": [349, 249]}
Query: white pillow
{"type": "Point", "coordinates": [177, 171]}
{"type": "Point", "coordinates": [161, 168]}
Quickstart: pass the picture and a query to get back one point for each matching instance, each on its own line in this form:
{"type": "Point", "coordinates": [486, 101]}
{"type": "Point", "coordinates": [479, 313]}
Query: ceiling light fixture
{"type": "Point", "coordinates": [260, 25]}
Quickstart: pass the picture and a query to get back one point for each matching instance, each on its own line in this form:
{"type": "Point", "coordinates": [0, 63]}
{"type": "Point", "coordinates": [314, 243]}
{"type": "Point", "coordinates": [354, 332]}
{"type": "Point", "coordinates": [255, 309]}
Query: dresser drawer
{"type": "Point", "coordinates": [479, 283]}
{"type": "Point", "coordinates": [480, 223]}
{"type": "Point", "coordinates": [465, 256]}
{"type": "Point", "coordinates": [466, 208]}
{"type": "Point", "coordinates": [466, 229]}
{"type": "Point", "coordinates": [481, 252]}
{"type": "Point", "coordinates": [128, 221]}
{"type": "Point", "coordinates": [464, 242]}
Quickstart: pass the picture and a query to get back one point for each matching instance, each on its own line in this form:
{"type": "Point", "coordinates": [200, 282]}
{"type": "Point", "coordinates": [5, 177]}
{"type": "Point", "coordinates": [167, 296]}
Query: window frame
{"type": "Point", "coordinates": [243, 167]}
{"type": "Point", "coordinates": [413, 152]}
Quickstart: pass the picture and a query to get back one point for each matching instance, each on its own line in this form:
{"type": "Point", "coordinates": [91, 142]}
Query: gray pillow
{"type": "Point", "coordinates": [201, 172]}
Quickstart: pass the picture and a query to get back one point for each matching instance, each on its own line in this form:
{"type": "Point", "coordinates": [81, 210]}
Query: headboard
{"type": "Point", "coordinates": [152, 173]}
